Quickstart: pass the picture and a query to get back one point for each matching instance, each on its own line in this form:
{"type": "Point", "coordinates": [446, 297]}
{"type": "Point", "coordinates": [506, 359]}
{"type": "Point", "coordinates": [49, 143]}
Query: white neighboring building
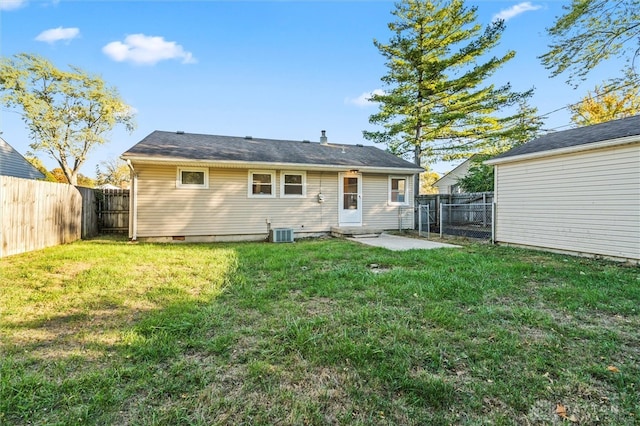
{"type": "Point", "coordinates": [575, 191]}
{"type": "Point", "coordinates": [108, 186]}
{"type": "Point", "coordinates": [448, 184]}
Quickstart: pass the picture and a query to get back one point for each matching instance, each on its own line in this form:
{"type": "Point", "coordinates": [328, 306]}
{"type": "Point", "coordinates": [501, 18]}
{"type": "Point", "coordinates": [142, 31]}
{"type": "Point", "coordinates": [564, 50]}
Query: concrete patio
{"type": "Point", "coordinates": [398, 243]}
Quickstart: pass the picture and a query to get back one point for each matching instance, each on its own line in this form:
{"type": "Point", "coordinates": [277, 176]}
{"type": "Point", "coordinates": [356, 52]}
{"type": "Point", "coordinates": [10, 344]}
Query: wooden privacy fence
{"type": "Point", "coordinates": [104, 211]}
{"type": "Point", "coordinates": [113, 210]}
{"type": "Point", "coordinates": [36, 214]}
{"type": "Point", "coordinates": [89, 212]}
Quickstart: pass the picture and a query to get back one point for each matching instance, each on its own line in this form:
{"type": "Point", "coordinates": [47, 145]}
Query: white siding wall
{"type": "Point", "coordinates": [446, 182]}
{"type": "Point", "coordinates": [377, 213]}
{"type": "Point", "coordinates": [587, 202]}
{"type": "Point", "coordinates": [224, 209]}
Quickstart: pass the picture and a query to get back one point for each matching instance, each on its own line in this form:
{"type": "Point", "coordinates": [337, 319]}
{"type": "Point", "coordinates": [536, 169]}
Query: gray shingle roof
{"type": "Point", "coordinates": [188, 146]}
{"type": "Point", "coordinates": [12, 163]}
{"type": "Point", "coordinates": [610, 130]}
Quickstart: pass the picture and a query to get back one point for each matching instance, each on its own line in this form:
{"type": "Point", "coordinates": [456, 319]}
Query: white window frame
{"type": "Point", "coordinates": [179, 183]}
{"type": "Point", "coordinates": [250, 193]}
{"type": "Point", "coordinates": [283, 173]}
{"type": "Point", "coordinates": [406, 191]}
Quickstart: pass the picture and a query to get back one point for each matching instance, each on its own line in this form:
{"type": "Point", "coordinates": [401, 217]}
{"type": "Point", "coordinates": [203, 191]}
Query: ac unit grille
{"type": "Point", "coordinates": [281, 235]}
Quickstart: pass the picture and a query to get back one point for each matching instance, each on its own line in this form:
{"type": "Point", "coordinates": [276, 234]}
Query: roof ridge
{"type": "Point", "coordinates": [306, 141]}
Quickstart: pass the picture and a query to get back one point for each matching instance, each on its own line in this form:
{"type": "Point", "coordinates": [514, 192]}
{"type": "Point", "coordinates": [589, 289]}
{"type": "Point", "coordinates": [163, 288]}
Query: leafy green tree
{"type": "Point", "coordinates": [479, 178]}
{"type": "Point", "coordinates": [37, 163]}
{"type": "Point", "coordinates": [67, 112]}
{"type": "Point", "coordinates": [437, 103]}
{"type": "Point", "coordinates": [521, 128]}
{"type": "Point", "coordinates": [427, 179]}
{"type": "Point", "coordinates": [114, 172]}
{"type": "Point", "coordinates": [590, 32]}
{"type": "Point", "coordinates": [517, 129]}
{"type": "Point", "coordinates": [59, 176]}
{"type": "Point", "coordinates": [86, 181]}
{"type": "Point", "coordinates": [606, 104]}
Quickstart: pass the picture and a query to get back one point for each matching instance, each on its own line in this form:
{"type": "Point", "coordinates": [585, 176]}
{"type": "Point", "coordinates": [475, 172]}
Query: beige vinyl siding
{"type": "Point", "coordinates": [225, 207]}
{"type": "Point", "coordinates": [377, 213]}
{"type": "Point", "coordinates": [587, 202]}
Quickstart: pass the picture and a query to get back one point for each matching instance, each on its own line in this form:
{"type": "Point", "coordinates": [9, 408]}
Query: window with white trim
{"type": "Point", "coordinates": [262, 183]}
{"type": "Point", "coordinates": [293, 184]}
{"type": "Point", "coordinates": [192, 177]}
{"type": "Point", "coordinates": [398, 190]}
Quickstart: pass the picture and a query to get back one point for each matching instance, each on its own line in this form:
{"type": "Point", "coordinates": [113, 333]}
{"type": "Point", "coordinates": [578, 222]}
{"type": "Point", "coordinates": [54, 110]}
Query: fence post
{"type": "Point", "coordinates": [441, 208]}
{"type": "Point", "coordinates": [428, 222]}
{"type": "Point", "coordinates": [484, 210]}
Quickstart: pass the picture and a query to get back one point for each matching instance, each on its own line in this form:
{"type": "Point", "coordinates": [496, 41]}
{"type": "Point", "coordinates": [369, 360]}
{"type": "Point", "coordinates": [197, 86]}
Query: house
{"type": "Point", "coordinates": [197, 187]}
{"type": "Point", "coordinates": [14, 164]}
{"type": "Point", "coordinates": [575, 191]}
{"type": "Point", "coordinates": [448, 184]}
{"type": "Point", "coordinates": [108, 186]}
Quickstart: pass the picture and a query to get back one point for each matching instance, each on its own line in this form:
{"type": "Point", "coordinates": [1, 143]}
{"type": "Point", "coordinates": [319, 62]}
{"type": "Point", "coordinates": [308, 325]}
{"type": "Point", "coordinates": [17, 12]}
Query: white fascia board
{"type": "Point", "coordinates": [279, 166]}
{"type": "Point", "coordinates": [568, 150]}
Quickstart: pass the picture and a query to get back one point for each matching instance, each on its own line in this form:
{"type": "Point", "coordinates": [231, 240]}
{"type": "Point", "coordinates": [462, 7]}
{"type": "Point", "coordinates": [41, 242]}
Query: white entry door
{"type": "Point", "coordinates": [350, 201]}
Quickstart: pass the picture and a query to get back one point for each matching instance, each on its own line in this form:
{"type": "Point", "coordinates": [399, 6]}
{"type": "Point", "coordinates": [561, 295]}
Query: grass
{"type": "Point", "coordinates": [316, 332]}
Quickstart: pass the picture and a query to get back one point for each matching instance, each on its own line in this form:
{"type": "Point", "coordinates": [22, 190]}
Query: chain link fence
{"type": "Point", "coordinates": [467, 220]}
{"type": "Point", "coordinates": [426, 218]}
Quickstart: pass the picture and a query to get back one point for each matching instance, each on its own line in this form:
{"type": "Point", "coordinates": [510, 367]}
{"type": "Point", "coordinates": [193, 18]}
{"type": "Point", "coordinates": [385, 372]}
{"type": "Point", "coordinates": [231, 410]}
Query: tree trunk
{"type": "Point", "coordinates": [73, 178]}
{"type": "Point", "coordinates": [417, 154]}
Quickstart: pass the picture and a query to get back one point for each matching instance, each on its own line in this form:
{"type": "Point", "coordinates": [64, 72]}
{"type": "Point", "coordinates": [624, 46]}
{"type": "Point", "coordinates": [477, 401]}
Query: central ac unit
{"type": "Point", "coordinates": [281, 235]}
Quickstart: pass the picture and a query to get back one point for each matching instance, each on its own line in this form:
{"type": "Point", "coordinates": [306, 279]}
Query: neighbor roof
{"type": "Point", "coordinates": [578, 137]}
{"type": "Point", "coordinates": [12, 163]}
{"type": "Point", "coordinates": [178, 147]}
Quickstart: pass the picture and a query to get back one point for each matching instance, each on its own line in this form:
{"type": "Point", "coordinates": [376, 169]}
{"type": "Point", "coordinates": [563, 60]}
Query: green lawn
{"type": "Point", "coordinates": [317, 332]}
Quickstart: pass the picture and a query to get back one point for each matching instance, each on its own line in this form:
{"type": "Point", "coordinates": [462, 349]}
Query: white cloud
{"type": "Point", "coordinates": [12, 4]}
{"type": "Point", "coordinates": [515, 10]}
{"type": "Point", "coordinates": [57, 34]}
{"type": "Point", "coordinates": [364, 99]}
{"type": "Point", "coordinates": [146, 50]}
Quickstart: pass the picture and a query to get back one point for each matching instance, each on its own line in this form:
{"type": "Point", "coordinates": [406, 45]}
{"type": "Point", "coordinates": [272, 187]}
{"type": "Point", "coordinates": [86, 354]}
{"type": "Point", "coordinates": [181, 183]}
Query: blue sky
{"type": "Point", "coordinates": [272, 69]}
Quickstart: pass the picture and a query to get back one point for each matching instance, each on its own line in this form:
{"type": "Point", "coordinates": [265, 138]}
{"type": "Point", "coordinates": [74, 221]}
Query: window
{"type": "Point", "coordinates": [262, 184]}
{"type": "Point", "coordinates": [398, 190]}
{"type": "Point", "coordinates": [293, 184]}
{"type": "Point", "coordinates": [192, 178]}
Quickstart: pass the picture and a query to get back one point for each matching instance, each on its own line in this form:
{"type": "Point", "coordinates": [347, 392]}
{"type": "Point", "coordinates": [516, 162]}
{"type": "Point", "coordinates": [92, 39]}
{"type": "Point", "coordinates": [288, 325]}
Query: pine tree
{"type": "Point", "coordinates": [437, 103]}
{"type": "Point", "coordinates": [521, 128]}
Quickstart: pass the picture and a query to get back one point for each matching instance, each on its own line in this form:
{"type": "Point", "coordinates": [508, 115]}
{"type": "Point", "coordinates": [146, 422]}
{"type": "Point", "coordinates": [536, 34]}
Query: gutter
{"type": "Point", "coordinates": [133, 203]}
{"type": "Point", "coordinates": [567, 150]}
{"type": "Point", "coordinates": [269, 165]}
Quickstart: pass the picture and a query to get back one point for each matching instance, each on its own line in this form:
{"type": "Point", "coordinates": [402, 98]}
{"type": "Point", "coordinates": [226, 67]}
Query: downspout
{"type": "Point", "coordinates": [133, 204]}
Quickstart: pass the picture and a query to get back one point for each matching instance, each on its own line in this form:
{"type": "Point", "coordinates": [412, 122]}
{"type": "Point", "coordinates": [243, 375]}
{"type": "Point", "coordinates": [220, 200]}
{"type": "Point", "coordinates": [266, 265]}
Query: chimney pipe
{"type": "Point", "coordinates": [323, 138]}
